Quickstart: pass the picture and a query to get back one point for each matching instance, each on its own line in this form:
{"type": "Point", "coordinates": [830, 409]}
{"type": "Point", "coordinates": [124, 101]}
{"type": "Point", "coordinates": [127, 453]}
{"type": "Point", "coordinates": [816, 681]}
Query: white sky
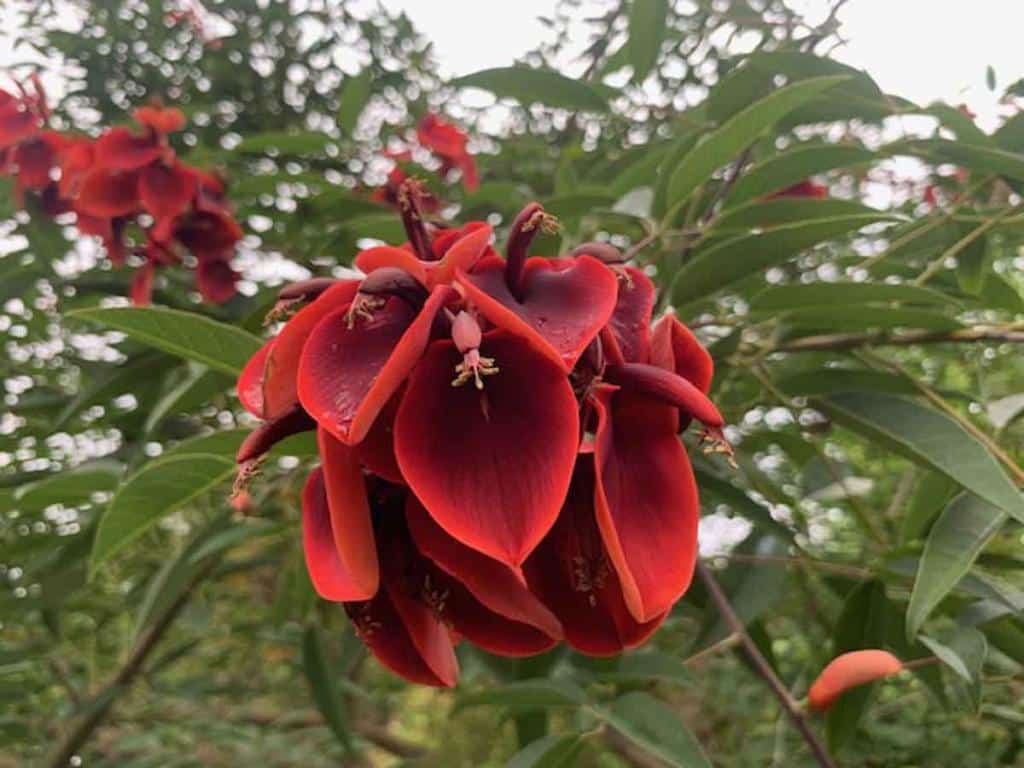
{"type": "Point", "coordinates": [923, 50]}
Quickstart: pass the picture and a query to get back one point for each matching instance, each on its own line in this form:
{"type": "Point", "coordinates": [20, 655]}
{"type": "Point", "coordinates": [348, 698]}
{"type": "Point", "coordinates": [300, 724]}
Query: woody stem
{"type": "Point", "coordinates": [762, 667]}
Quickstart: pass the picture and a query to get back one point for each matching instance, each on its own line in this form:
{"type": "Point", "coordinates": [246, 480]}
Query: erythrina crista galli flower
{"type": "Point", "coordinates": [120, 180]}
{"type": "Point", "coordinates": [499, 443]}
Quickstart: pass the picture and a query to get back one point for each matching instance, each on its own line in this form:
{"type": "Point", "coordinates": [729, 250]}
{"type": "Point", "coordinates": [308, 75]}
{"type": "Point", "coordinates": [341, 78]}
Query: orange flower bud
{"type": "Point", "coordinates": [848, 671]}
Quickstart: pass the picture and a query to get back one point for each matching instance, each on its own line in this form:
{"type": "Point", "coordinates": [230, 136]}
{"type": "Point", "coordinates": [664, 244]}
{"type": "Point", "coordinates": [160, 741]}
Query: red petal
{"type": "Point", "coordinates": [390, 256]}
{"type": "Point", "coordinates": [35, 160]}
{"type": "Point", "coordinates": [250, 381]}
{"type": "Point", "coordinates": [406, 637]}
{"type": "Point", "coordinates": [160, 119]}
{"type": "Point", "coordinates": [142, 285]}
{"type": "Point", "coordinates": [645, 500]}
{"type": "Point", "coordinates": [630, 322]}
{"type": "Point", "coordinates": [496, 586]}
{"type": "Point", "coordinates": [280, 382]}
{"type": "Point", "coordinates": [216, 280]}
{"type": "Point", "coordinates": [350, 514]}
{"type": "Point", "coordinates": [208, 232]}
{"type": "Point", "coordinates": [571, 573]}
{"type": "Point", "coordinates": [330, 578]}
{"type": "Point", "coordinates": [76, 162]}
{"type": "Point", "coordinates": [348, 374]}
{"type": "Point", "coordinates": [16, 124]}
{"type": "Point", "coordinates": [121, 150]}
{"type": "Point", "coordinates": [675, 348]}
{"type": "Point", "coordinates": [377, 450]}
{"type": "Point", "coordinates": [492, 466]}
{"type": "Point", "coordinates": [461, 255]}
{"type": "Point", "coordinates": [106, 194]}
{"type": "Point", "coordinates": [474, 620]}
{"type": "Point", "coordinates": [165, 191]}
{"type": "Point", "coordinates": [562, 310]}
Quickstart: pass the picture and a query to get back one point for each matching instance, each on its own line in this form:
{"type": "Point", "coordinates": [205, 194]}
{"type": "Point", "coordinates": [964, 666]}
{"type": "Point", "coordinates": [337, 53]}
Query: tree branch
{"type": "Point", "coordinates": [762, 667]}
{"type": "Point", "coordinates": [841, 341]}
{"type": "Point", "coordinates": [101, 705]}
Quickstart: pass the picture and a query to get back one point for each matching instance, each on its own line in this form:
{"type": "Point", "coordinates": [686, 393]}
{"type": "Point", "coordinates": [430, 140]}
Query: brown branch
{"type": "Point", "coordinates": [105, 699]}
{"type": "Point", "coordinates": [762, 667]}
{"type": "Point", "coordinates": [842, 341]}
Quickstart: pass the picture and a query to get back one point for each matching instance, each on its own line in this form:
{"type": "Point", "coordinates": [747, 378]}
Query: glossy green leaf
{"type": "Point", "coordinates": [656, 729]}
{"type": "Point", "coordinates": [785, 169]}
{"type": "Point", "coordinates": [162, 486]}
{"type": "Point", "coordinates": [783, 297]}
{"type": "Point", "coordinates": [957, 537]}
{"type": "Point", "coordinates": [723, 144]}
{"type": "Point", "coordinates": [953, 660]}
{"type": "Point", "coordinates": [646, 32]}
{"type": "Point", "coordinates": [355, 93]}
{"type": "Point", "coordinates": [933, 491]}
{"type": "Point", "coordinates": [763, 214]}
{"type": "Point", "coordinates": [199, 386]}
{"type": "Point", "coordinates": [528, 86]}
{"type": "Point", "coordinates": [321, 684]}
{"type": "Point", "coordinates": [724, 263]}
{"type": "Point", "coordinates": [865, 317]}
{"type": "Point", "coordinates": [70, 487]}
{"type": "Point", "coordinates": [827, 381]}
{"type": "Point", "coordinates": [219, 346]}
{"type": "Point", "coordinates": [929, 438]}
{"type": "Point", "coordinates": [977, 158]}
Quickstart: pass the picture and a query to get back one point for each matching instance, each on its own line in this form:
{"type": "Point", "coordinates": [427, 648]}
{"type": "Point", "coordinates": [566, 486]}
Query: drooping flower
{"type": "Point", "coordinates": [507, 428]}
{"type": "Point", "coordinates": [805, 188]}
{"type": "Point", "coordinates": [448, 142]}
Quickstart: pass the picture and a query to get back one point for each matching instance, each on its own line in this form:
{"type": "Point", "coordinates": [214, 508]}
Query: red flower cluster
{"type": "Point", "coordinates": [448, 143]}
{"type": "Point", "coordinates": [500, 458]}
{"type": "Point", "coordinates": [122, 178]}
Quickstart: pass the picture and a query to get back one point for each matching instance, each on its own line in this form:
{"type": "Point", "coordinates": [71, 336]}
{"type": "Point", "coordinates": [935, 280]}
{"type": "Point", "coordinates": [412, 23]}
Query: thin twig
{"type": "Point", "coordinates": [762, 667]}
{"type": "Point", "coordinates": [842, 341]}
{"type": "Point", "coordinates": [105, 699]}
{"type": "Point", "coordinates": [960, 245]}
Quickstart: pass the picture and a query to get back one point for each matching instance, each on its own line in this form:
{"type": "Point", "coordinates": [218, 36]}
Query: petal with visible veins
{"type": "Point", "coordinates": [563, 307]}
{"type": "Point", "coordinates": [570, 572]}
{"type": "Point", "coordinates": [350, 367]}
{"type": "Point", "coordinates": [645, 500]}
{"type": "Point", "coordinates": [490, 465]}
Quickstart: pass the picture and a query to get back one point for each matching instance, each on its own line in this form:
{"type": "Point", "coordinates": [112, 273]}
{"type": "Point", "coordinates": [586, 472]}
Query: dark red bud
{"type": "Point", "coordinates": [667, 387]}
{"type": "Point", "coordinates": [410, 192]}
{"type": "Point", "coordinates": [306, 290]}
{"type": "Point", "coordinates": [394, 281]}
{"type": "Point", "coordinates": [603, 252]}
{"type": "Point", "coordinates": [272, 432]}
{"type": "Point", "coordinates": [524, 228]}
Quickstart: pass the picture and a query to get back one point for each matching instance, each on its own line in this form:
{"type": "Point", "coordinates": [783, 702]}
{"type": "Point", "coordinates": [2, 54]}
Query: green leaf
{"type": "Point", "coordinates": [656, 729]}
{"type": "Point", "coordinates": [862, 624]}
{"type": "Point", "coordinates": [648, 666]}
{"type": "Point", "coordinates": [70, 487]}
{"type": "Point", "coordinates": [199, 386]}
{"type": "Point", "coordinates": [123, 379]}
{"type": "Point", "coordinates": [827, 381]}
{"type": "Point", "coordinates": [786, 210]}
{"type": "Point", "coordinates": [646, 32]}
{"type": "Point", "coordinates": [934, 490]}
{"type": "Point", "coordinates": [929, 438]}
{"type": "Point", "coordinates": [526, 695]}
{"type": "Point", "coordinates": [159, 488]}
{"type": "Point", "coordinates": [783, 297]}
{"type": "Point", "coordinates": [553, 751]}
{"type": "Point", "coordinates": [957, 537]}
{"type": "Point", "coordinates": [727, 262]}
{"type": "Point", "coordinates": [952, 659]}
{"type": "Point", "coordinates": [528, 85]}
{"type": "Point", "coordinates": [975, 157]}
{"type": "Point", "coordinates": [321, 684]}
{"type": "Point", "coordinates": [783, 170]}
{"type": "Point", "coordinates": [723, 144]}
{"type": "Point", "coordinates": [355, 92]}
{"type": "Point", "coordinates": [217, 345]}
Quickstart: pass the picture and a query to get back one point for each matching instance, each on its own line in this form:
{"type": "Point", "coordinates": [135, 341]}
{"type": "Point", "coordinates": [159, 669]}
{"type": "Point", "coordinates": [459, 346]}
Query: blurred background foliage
{"type": "Point", "coordinates": [865, 330]}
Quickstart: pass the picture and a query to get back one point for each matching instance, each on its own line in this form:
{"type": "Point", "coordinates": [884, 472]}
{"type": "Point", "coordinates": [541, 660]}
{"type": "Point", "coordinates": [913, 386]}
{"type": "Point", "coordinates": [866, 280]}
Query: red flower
{"type": "Point", "coordinates": [448, 142]}
{"type": "Point", "coordinates": [457, 387]}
